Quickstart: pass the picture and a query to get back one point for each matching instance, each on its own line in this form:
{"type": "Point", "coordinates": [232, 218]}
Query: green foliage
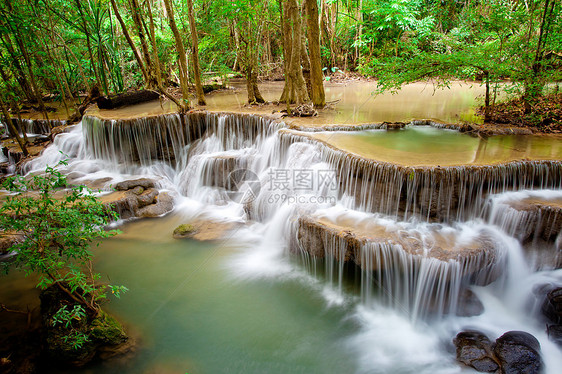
{"type": "Point", "coordinates": [65, 317]}
{"type": "Point", "coordinates": [58, 225]}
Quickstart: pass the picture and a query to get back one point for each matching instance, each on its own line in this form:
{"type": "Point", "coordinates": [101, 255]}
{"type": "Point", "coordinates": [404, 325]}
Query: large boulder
{"type": "Point", "coordinates": [474, 349]}
{"type": "Point", "coordinates": [518, 352]}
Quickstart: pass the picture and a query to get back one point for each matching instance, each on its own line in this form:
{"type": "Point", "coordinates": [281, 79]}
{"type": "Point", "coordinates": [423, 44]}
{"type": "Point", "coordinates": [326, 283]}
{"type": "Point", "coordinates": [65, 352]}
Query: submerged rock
{"type": "Point", "coordinates": [474, 349]}
{"type": "Point", "coordinates": [206, 230]}
{"type": "Point", "coordinates": [469, 304]}
{"type": "Point", "coordinates": [518, 353]}
{"type": "Point", "coordinates": [184, 230]}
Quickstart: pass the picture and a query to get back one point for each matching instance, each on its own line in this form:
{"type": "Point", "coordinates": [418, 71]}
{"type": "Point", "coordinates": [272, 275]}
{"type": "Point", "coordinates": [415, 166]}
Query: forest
{"type": "Point", "coordinates": [59, 50]}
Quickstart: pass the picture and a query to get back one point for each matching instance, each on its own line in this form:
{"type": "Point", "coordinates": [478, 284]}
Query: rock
{"type": "Point", "coordinates": [552, 306]}
{"type": "Point", "coordinates": [555, 333]}
{"type": "Point", "coordinates": [9, 239]}
{"type": "Point", "coordinates": [131, 184]}
{"type": "Point", "coordinates": [474, 349]}
{"type": "Point", "coordinates": [164, 203]}
{"type": "Point", "coordinates": [184, 230]}
{"type": "Point", "coordinates": [518, 352]}
{"type": "Point", "coordinates": [138, 199]}
{"type": "Point", "coordinates": [393, 125]}
{"type": "Point", "coordinates": [206, 230]}
{"type": "Point", "coordinates": [469, 304]}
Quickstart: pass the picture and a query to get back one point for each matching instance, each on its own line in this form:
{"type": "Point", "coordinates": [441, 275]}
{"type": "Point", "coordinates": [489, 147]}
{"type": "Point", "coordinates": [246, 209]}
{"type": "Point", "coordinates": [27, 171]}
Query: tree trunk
{"type": "Point", "coordinates": [295, 85]}
{"type": "Point", "coordinates": [152, 34]}
{"type": "Point", "coordinates": [316, 76]}
{"type": "Point", "coordinates": [130, 41]}
{"type": "Point", "coordinates": [487, 114]}
{"type": "Point", "coordinates": [286, 43]}
{"type": "Point", "coordinates": [137, 20]}
{"type": "Point", "coordinates": [195, 54]}
{"type": "Point", "coordinates": [305, 65]}
{"type": "Point", "coordinates": [12, 128]}
{"type": "Point", "coordinates": [88, 43]}
{"type": "Point", "coordinates": [19, 73]}
{"type": "Point", "coordinates": [535, 83]}
{"type": "Point", "coordinates": [181, 53]}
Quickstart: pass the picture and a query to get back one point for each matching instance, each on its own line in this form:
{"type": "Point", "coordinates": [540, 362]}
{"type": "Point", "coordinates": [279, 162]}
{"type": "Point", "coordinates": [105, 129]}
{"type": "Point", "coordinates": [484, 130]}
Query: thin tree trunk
{"type": "Point", "coordinates": [19, 73]}
{"type": "Point", "coordinates": [487, 114]}
{"type": "Point", "coordinates": [12, 128]}
{"type": "Point", "coordinates": [181, 54]}
{"type": "Point", "coordinates": [27, 59]}
{"type": "Point", "coordinates": [137, 20]}
{"type": "Point", "coordinates": [286, 43]}
{"type": "Point", "coordinates": [130, 41]}
{"type": "Point", "coordinates": [154, 45]}
{"type": "Point", "coordinates": [305, 64]}
{"type": "Point", "coordinates": [88, 43]}
{"type": "Point", "coordinates": [195, 54]}
{"type": "Point", "coordinates": [316, 76]}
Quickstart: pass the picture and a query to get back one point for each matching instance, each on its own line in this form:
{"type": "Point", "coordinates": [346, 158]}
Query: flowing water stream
{"type": "Point", "coordinates": [260, 301]}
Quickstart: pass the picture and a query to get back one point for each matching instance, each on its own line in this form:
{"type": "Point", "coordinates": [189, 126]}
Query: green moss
{"type": "Point", "coordinates": [184, 229]}
{"type": "Point", "coordinates": [107, 330]}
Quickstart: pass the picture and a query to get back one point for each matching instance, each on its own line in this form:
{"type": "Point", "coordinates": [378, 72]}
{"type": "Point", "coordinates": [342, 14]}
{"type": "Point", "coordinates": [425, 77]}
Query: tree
{"type": "Point", "coordinates": [295, 86]}
{"type": "Point", "coordinates": [195, 54]}
{"type": "Point", "coordinates": [57, 227]}
{"type": "Point", "coordinates": [181, 53]}
{"type": "Point", "coordinates": [316, 77]}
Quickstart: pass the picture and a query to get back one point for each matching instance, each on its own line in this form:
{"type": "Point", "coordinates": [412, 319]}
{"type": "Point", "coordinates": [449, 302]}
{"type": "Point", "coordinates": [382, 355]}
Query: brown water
{"type": "Point", "coordinates": [352, 103]}
{"type": "Point", "coordinates": [428, 146]}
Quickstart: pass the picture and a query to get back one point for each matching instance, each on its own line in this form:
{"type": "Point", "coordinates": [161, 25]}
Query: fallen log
{"type": "Point", "coordinates": [127, 98]}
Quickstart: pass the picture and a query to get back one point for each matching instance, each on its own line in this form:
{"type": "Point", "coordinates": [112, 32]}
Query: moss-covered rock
{"type": "Point", "coordinates": [82, 339]}
{"type": "Point", "coordinates": [105, 329]}
{"type": "Point", "coordinates": [184, 230]}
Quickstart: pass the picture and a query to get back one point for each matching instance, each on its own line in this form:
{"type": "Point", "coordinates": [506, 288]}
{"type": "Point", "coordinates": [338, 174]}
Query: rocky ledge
{"type": "Point", "coordinates": [138, 198]}
{"type": "Point", "coordinates": [428, 268]}
{"type": "Point", "coordinates": [367, 242]}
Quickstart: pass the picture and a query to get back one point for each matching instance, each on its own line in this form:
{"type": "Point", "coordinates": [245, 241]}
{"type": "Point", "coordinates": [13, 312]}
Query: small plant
{"type": "Point", "coordinates": [65, 317]}
{"type": "Point", "coordinates": [58, 224]}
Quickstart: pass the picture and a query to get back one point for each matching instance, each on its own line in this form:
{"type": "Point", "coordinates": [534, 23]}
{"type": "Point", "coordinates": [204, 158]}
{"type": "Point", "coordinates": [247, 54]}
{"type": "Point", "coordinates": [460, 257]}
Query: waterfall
{"type": "Point", "coordinates": [414, 239]}
{"type": "Point", "coordinates": [449, 194]}
{"type": "Point", "coordinates": [35, 126]}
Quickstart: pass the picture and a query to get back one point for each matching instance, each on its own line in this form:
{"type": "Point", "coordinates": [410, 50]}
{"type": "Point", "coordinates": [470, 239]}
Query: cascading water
{"type": "Point", "coordinates": [411, 270]}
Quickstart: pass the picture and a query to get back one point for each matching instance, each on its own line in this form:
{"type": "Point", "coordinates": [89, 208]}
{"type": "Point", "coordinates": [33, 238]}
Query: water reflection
{"type": "Point", "coordinates": [427, 146]}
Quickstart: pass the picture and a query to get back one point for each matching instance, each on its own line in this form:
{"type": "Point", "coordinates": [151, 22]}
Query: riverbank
{"type": "Point", "coordinates": [545, 116]}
